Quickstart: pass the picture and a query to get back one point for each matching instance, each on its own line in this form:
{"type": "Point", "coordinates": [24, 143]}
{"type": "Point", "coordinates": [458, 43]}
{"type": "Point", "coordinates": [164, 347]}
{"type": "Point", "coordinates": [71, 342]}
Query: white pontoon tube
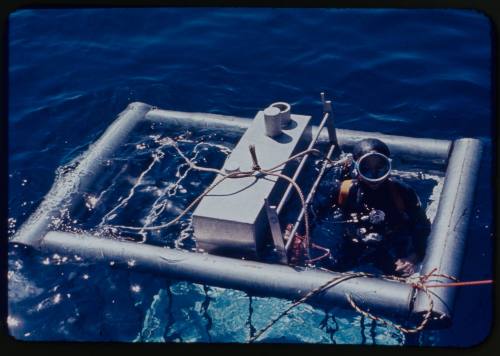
{"type": "Point", "coordinates": [410, 149]}
{"type": "Point", "coordinates": [444, 251]}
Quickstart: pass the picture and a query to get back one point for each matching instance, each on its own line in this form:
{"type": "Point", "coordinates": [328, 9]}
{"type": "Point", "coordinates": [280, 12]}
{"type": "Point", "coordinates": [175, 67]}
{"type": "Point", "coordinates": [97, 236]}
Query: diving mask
{"type": "Point", "coordinates": [373, 167]}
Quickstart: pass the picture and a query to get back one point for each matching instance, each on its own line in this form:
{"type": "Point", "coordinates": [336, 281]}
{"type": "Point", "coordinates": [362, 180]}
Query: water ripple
{"type": "Point", "coordinates": [72, 70]}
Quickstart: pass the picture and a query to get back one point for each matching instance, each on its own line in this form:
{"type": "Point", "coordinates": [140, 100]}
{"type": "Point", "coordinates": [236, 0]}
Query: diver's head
{"type": "Point", "coordinates": [373, 163]}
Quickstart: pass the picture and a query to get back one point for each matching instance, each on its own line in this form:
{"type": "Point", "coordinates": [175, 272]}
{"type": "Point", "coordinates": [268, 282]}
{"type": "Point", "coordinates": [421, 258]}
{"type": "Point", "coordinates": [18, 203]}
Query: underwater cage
{"type": "Point", "coordinates": [227, 221]}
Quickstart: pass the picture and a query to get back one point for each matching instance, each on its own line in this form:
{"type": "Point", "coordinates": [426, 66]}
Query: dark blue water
{"type": "Point", "coordinates": [408, 72]}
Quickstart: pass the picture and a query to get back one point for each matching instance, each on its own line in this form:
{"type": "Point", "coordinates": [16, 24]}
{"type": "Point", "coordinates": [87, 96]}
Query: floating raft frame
{"type": "Point", "coordinates": [445, 249]}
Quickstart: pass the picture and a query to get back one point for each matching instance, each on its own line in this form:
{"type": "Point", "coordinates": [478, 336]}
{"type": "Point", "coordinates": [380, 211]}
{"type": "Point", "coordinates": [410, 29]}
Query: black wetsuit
{"type": "Point", "coordinates": [404, 229]}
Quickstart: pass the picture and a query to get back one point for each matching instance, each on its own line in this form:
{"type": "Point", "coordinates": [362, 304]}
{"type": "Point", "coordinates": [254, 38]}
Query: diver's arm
{"type": "Point", "coordinates": [326, 195]}
{"type": "Point", "coordinates": [420, 224]}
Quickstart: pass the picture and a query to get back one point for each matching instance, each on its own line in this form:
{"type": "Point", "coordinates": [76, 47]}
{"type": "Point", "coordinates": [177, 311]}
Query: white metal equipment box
{"type": "Point", "coordinates": [231, 219]}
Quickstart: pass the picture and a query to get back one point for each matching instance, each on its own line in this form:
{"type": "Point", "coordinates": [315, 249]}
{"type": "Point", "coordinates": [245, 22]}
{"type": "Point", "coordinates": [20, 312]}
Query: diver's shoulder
{"type": "Point", "coordinates": [403, 187]}
{"type": "Point", "coordinates": [400, 184]}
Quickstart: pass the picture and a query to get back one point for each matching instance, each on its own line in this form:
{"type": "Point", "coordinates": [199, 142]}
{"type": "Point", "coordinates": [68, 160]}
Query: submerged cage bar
{"type": "Point", "coordinates": [444, 251]}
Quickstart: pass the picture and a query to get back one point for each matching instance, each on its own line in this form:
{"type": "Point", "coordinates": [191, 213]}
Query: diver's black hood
{"type": "Point", "coordinates": [370, 145]}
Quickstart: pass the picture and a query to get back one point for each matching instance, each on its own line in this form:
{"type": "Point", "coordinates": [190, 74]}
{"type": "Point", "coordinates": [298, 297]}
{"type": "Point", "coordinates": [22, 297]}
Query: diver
{"type": "Point", "coordinates": [385, 223]}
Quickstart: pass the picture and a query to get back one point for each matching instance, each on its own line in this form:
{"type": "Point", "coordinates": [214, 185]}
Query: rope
{"type": "Point", "coordinates": [193, 165]}
{"type": "Point", "coordinates": [460, 284]}
{"type": "Point", "coordinates": [420, 283]}
{"type": "Point", "coordinates": [416, 329]}
{"type": "Point", "coordinates": [256, 168]}
{"type": "Point", "coordinates": [329, 284]}
{"type": "Point", "coordinates": [319, 258]}
{"type": "Point", "coordinates": [302, 200]}
{"type": "Point", "coordinates": [186, 210]}
{"type": "Point", "coordinates": [298, 155]}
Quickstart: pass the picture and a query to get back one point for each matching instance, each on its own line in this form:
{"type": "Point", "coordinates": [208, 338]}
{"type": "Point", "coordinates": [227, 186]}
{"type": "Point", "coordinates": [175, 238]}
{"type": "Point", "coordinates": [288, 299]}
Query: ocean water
{"type": "Point", "coordinates": [420, 73]}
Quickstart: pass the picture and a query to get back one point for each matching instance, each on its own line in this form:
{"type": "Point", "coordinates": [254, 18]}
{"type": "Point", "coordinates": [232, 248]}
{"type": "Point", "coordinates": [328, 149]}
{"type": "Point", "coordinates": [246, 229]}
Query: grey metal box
{"type": "Point", "coordinates": [231, 219]}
